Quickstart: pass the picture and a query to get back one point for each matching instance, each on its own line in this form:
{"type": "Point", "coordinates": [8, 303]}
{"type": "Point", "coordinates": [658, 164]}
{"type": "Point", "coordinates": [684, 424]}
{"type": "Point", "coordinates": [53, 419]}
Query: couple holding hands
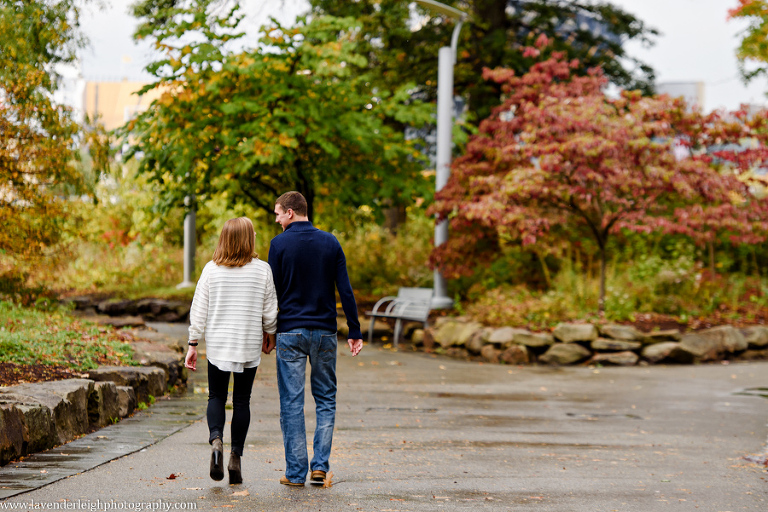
{"type": "Point", "coordinates": [240, 304]}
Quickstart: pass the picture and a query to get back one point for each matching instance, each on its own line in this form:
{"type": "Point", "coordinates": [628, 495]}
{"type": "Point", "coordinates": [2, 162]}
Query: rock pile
{"type": "Point", "coordinates": [158, 310]}
{"type": "Point", "coordinates": [574, 343]}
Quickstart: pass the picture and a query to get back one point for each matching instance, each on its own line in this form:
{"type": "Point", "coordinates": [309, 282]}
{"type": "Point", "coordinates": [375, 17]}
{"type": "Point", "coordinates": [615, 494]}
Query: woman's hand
{"type": "Point", "coordinates": [267, 343]}
{"type": "Point", "coordinates": [191, 359]}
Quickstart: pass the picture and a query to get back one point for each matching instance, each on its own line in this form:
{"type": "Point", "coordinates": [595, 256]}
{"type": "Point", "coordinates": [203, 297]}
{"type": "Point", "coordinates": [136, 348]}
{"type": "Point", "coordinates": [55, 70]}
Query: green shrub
{"type": "Point", "coordinates": [379, 262]}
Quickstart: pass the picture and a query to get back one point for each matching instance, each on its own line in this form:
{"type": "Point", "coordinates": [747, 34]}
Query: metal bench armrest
{"type": "Point", "coordinates": [379, 303]}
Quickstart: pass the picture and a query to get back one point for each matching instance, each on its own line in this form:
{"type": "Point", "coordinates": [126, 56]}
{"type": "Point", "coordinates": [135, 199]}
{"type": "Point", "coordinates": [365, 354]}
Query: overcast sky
{"type": "Point", "coordinates": [697, 43]}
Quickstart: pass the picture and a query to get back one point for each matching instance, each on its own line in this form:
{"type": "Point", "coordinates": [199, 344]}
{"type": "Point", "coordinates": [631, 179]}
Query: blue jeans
{"type": "Point", "coordinates": [293, 348]}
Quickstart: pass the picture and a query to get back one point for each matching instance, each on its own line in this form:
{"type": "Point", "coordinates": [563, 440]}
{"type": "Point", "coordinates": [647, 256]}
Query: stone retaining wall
{"type": "Point", "coordinates": [158, 310]}
{"type": "Point", "coordinates": [39, 416]}
{"type": "Point", "coordinates": [584, 343]}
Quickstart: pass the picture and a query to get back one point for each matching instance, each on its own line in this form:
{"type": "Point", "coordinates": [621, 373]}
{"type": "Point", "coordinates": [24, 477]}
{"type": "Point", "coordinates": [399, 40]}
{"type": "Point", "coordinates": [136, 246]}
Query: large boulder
{"type": "Point", "coordinates": [756, 336]}
{"type": "Point", "coordinates": [455, 333]}
{"type": "Point", "coordinates": [662, 336]}
{"type": "Point", "coordinates": [621, 332]}
{"type": "Point", "coordinates": [533, 339]}
{"type": "Point", "coordinates": [163, 310]}
{"type": "Point", "coordinates": [568, 333]}
{"type": "Point", "coordinates": [503, 336]}
{"type": "Point", "coordinates": [145, 381]}
{"type": "Point", "coordinates": [66, 399]}
{"type": "Point", "coordinates": [515, 354]}
{"type": "Point", "coordinates": [714, 344]}
{"type": "Point", "coordinates": [41, 427]}
{"type": "Point", "coordinates": [161, 356]}
{"type": "Point", "coordinates": [659, 352]}
{"type": "Point", "coordinates": [606, 345]}
{"type": "Point", "coordinates": [625, 358]}
{"type": "Point", "coordinates": [14, 434]}
{"type": "Point", "coordinates": [126, 400]}
{"type": "Point", "coordinates": [102, 405]}
{"type": "Point", "coordinates": [565, 353]}
{"type": "Point", "coordinates": [116, 307]}
{"type": "Point", "coordinates": [490, 353]}
{"type": "Point", "coordinates": [477, 341]}
{"type": "Point", "coordinates": [457, 353]}
{"type": "Point", "coordinates": [754, 355]}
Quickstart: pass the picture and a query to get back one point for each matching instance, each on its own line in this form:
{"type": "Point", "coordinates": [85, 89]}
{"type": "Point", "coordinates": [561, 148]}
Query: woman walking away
{"type": "Point", "coordinates": [235, 305]}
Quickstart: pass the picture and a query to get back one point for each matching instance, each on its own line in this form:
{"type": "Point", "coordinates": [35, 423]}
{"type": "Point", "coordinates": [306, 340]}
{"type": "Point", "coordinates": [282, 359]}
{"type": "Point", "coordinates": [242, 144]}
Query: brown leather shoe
{"type": "Point", "coordinates": [285, 481]}
{"type": "Point", "coordinates": [317, 478]}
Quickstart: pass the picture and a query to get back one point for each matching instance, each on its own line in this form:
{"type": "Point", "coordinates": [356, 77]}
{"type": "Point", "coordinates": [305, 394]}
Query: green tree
{"type": "Point", "coordinates": [753, 49]}
{"type": "Point", "coordinates": [296, 113]}
{"type": "Point", "coordinates": [496, 35]}
{"type": "Point", "coordinates": [37, 137]}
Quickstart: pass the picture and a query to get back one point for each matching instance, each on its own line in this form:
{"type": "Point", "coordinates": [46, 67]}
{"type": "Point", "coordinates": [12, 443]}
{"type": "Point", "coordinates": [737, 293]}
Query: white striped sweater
{"type": "Point", "coordinates": [233, 306]}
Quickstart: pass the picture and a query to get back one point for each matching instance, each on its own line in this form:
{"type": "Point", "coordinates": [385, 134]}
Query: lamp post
{"type": "Point", "coordinates": [445, 107]}
{"type": "Point", "coordinates": [190, 241]}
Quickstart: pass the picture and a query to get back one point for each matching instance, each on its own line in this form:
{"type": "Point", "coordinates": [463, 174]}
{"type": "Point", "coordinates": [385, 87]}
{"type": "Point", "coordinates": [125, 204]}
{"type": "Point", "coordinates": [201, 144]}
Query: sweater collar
{"type": "Point", "coordinates": [302, 225]}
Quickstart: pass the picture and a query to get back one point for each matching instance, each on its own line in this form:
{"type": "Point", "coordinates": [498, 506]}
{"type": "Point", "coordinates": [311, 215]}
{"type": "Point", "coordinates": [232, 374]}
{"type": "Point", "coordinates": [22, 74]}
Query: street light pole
{"type": "Point", "coordinates": [445, 108]}
{"type": "Point", "coordinates": [190, 241]}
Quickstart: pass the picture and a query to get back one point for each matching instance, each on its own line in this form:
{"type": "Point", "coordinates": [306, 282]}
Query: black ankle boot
{"type": "Point", "coordinates": [235, 476]}
{"type": "Point", "coordinates": [217, 460]}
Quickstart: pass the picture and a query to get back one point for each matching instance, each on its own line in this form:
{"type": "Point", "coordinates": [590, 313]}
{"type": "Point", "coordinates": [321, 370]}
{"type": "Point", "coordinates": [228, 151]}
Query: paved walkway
{"type": "Point", "coordinates": [423, 433]}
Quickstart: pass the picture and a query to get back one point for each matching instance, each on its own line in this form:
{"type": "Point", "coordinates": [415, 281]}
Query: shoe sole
{"type": "Point", "coordinates": [235, 477]}
{"type": "Point", "coordinates": [291, 484]}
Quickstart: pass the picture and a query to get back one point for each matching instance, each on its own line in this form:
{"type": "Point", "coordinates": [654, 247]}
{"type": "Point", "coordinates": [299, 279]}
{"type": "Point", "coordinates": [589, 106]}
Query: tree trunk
{"type": "Point", "coordinates": [601, 300]}
{"type": "Point", "coordinates": [545, 269]}
{"type": "Point", "coordinates": [394, 218]}
{"type": "Point", "coordinates": [307, 189]}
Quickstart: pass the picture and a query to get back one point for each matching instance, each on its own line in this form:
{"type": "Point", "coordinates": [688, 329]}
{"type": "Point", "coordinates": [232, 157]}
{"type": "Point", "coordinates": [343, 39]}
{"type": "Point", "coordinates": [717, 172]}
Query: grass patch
{"type": "Point", "coordinates": [34, 337]}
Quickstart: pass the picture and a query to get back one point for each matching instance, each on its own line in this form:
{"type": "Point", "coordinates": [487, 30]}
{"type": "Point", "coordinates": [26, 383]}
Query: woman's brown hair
{"type": "Point", "coordinates": [236, 243]}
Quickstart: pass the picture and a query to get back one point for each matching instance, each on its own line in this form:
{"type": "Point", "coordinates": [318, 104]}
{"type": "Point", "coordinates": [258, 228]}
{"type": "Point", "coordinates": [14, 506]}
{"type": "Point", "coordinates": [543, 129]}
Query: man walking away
{"type": "Point", "coordinates": [308, 266]}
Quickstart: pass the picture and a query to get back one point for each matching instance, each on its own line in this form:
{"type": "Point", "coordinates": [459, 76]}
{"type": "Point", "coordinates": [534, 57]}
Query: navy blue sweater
{"type": "Point", "coordinates": [308, 265]}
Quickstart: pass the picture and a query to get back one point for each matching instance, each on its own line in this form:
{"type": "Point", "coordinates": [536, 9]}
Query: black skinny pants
{"type": "Point", "coordinates": [218, 387]}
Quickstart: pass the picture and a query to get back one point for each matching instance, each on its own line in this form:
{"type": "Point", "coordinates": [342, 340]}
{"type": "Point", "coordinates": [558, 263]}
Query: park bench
{"type": "Point", "coordinates": [411, 305]}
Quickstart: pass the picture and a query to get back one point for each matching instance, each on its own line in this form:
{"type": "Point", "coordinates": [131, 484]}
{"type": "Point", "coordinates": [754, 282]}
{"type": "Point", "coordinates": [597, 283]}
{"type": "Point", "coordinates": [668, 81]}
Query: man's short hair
{"type": "Point", "coordinates": [293, 201]}
{"type": "Point", "coordinates": [236, 243]}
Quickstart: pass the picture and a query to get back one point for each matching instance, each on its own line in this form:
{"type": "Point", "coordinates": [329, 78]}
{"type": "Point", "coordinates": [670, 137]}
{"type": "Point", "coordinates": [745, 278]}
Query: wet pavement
{"type": "Point", "coordinates": [416, 432]}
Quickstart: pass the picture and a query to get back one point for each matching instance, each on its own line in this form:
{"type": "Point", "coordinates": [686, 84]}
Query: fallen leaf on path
{"type": "Point", "coordinates": [328, 481]}
{"type": "Point", "coordinates": [172, 476]}
{"type": "Point", "coordinates": [192, 489]}
{"type": "Point", "coordinates": [241, 493]}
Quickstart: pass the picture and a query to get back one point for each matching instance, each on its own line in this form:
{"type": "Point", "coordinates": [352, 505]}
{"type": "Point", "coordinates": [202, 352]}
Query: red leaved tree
{"type": "Point", "coordinates": [558, 158]}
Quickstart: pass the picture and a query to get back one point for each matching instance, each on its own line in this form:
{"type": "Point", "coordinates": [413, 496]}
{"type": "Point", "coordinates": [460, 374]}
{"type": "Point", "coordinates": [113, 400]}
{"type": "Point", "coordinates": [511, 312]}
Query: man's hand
{"type": "Point", "coordinates": [355, 346]}
{"type": "Point", "coordinates": [191, 359]}
{"type": "Point", "coordinates": [268, 343]}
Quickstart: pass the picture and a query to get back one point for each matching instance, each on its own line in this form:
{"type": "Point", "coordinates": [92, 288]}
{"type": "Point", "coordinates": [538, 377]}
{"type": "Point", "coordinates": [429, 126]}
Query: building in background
{"type": "Point", "coordinates": [115, 103]}
{"type": "Point", "coordinates": [692, 92]}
